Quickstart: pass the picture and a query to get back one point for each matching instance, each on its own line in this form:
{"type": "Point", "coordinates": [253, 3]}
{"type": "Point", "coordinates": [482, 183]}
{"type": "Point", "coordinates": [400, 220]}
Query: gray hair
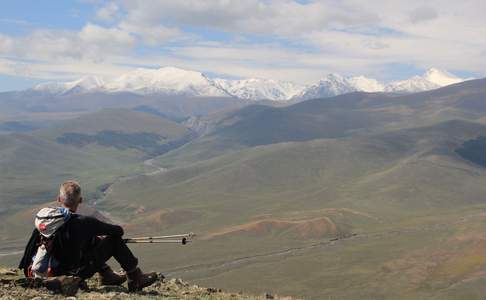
{"type": "Point", "coordinates": [69, 192]}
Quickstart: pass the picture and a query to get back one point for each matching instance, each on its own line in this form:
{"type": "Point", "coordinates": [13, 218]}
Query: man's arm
{"type": "Point", "coordinates": [95, 227]}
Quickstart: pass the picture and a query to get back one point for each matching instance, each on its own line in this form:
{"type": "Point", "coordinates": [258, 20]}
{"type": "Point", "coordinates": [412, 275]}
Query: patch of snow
{"type": "Point", "coordinates": [177, 81]}
{"type": "Point", "coordinates": [260, 89]}
{"type": "Point", "coordinates": [168, 80]}
{"type": "Point", "coordinates": [431, 79]}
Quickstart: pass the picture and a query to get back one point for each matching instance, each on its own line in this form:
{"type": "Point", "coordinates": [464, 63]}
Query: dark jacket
{"type": "Point", "coordinates": [73, 244]}
{"type": "Point", "coordinates": [81, 232]}
{"type": "Point", "coordinates": [30, 251]}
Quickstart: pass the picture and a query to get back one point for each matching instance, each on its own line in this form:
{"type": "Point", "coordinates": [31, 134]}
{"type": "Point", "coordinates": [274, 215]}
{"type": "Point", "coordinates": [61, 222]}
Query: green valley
{"type": "Point", "coordinates": [364, 195]}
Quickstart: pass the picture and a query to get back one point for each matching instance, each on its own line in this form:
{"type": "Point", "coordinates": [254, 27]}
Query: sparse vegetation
{"type": "Point", "coordinates": [144, 141]}
{"type": "Point", "coordinates": [474, 151]}
{"type": "Point", "coordinates": [14, 286]}
{"type": "Point", "coordinates": [294, 200]}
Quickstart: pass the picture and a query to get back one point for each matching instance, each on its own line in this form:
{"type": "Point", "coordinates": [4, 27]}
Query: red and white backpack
{"type": "Point", "coordinates": [48, 222]}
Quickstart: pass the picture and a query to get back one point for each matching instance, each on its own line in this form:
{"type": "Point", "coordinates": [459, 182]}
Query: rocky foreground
{"type": "Point", "coordinates": [13, 285]}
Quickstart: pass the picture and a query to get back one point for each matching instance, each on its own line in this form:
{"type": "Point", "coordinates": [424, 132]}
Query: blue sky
{"type": "Point", "coordinates": [21, 17]}
{"type": "Point", "coordinates": [290, 40]}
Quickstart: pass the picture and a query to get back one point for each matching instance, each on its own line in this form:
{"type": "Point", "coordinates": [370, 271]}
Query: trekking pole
{"type": "Point", "coordinates": [169, 239]}
{"type": "Point", "coordinates": [161, 237]}
{"type": "Point", "coordinates": [183, 241]}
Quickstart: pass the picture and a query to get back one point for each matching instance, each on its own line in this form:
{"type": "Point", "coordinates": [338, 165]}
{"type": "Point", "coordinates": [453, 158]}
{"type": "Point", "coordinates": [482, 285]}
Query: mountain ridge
{"type": "Point", "coordinates": [182, 82]}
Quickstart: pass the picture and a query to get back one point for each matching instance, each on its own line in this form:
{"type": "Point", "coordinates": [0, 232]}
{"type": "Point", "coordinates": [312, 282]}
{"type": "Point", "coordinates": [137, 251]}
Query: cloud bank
{"type": "Point", "coordinates": [282, 39]}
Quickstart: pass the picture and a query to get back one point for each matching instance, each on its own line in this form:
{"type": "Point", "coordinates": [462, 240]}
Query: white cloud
{"type": "Point", "coordinates": [47, 45]}
{"type": "Point", "coordinates": [108, 12]}
{"type": "Point", "coordinates": [262, 54]}
{"type": "Point", "coordinates": [370, 34]}
{"type": "Point", "coordinates": [5, 44]}
{"type": "Point", "coordinates": [97, 39]}
{"type": "Point", "coordinates": [281, 39]}
{"type": "Point", "coordinates": [423, 14]}
{"type": "Point", "coordinates": [254, 16]}
{"type": "Point", "coordinates": [154, 35]}
{"type": "Point", "coordinates": [92, 42]}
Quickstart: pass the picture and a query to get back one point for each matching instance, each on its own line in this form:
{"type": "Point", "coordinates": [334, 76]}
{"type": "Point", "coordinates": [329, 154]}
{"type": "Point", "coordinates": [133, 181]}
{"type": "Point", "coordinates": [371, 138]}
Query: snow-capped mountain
{"type": "Point", "coordinates": [84, 84]}
{"type": "Point", "coordinates": [331, 85]}
{"type": "Point", "coordinates": [260, 89]}
{"type": "Point", "coordinates": [432, 79]}
{"type": "Point", "coordinates": [365, 84]}
{"type": "Point", "coordinates": [334, 84]}
{"type": "Point", "coordinates": [442, 78]}
{"type": "Point", "coordinates": [176, 81]}
{"type": "Point", "coordinates": [168, 81]}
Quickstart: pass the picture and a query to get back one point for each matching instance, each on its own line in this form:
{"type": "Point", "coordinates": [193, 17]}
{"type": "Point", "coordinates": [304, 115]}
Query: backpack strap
{"type": "Point", "coordinates": [49, 217]}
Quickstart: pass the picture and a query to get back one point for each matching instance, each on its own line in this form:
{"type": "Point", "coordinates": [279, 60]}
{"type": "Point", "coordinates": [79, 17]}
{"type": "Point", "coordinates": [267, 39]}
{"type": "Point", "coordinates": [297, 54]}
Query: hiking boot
{"type": "Point", "coordinates": [83, 286]}
{"type": "Point", "coordinates": [66, 285]}
{"type": "Point", "coordinates": [138, 280]}
{"type": "Point", "coordinates": [109, 277]}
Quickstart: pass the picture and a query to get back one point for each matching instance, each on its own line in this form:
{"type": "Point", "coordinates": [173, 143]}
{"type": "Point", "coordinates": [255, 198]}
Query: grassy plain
{"type": "Point", "coordinates": [266, 216]}
{"type": "Point", "coordinates": [361, 196]}
{"type": "Point", "coordinates": [34, 164]}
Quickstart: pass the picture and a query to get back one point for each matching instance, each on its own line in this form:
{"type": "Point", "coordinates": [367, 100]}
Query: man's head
{"type": "Point", "coordinates": [70, 195]}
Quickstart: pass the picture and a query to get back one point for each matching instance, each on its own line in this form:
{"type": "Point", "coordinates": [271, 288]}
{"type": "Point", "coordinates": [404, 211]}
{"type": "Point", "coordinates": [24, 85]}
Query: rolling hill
{"type": "Point", "coordinates": [271, 201]}
{"type": "Point", "coordinates": [341, 116]}
{"type": "Point", "coordinates": [266, 202]}
{"type": "Point", "coordinates": [95, 148]}
{"type": "Point", "coordinates": [42, 109]}
{"type": "Point", "coordinates": [364, 195]}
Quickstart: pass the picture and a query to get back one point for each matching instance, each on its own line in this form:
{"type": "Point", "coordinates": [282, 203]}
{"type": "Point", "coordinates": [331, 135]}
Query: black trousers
{"type": "Point", "coordinates": [95, 258]}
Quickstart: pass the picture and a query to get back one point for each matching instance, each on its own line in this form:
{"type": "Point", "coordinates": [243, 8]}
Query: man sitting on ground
{"type": "Point", "coordinates": [83, 244]}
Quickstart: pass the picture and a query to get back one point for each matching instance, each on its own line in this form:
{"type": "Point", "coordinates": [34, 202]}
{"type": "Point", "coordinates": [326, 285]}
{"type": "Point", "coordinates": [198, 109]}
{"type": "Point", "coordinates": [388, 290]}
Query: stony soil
{"type": "Point", "coordinates": [13, 285]}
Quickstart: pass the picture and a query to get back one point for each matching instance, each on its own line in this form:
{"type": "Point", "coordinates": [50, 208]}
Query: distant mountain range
{"type": "Point", "coordinates": [176, 81]}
